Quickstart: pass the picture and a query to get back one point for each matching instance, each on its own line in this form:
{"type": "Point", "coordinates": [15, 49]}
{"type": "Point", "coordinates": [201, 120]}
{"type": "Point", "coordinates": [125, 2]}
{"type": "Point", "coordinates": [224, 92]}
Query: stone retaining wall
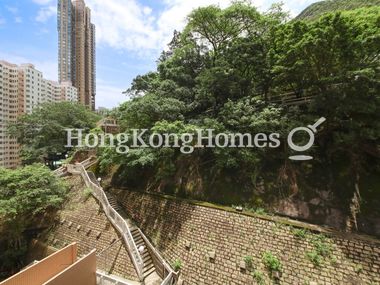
{"type": "Point", "coordinates": [212, 245]}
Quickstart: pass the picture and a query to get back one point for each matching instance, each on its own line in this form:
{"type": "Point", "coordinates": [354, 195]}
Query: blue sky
{"type": "Point", "coordinates": [130, 36]}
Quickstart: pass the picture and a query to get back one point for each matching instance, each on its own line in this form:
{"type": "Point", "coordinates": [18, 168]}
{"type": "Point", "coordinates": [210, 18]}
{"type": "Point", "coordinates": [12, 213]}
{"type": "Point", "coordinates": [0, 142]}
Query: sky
{"type": "Point", "coordinates": [130, 35]}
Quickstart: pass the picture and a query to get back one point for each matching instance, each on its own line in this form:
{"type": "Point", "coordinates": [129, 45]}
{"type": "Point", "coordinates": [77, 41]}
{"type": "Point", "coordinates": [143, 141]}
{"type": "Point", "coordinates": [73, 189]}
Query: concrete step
{"type": "Point", "coordinates": [138, 239]}
{"type": "Point", "coordinates": [149, 270]}
{"type": "Point", "coordinates": [148, 264]}
{"type": "Point", "coordinates": [113, 201]}
{"type": "Point", "coordinates": [153, 279]}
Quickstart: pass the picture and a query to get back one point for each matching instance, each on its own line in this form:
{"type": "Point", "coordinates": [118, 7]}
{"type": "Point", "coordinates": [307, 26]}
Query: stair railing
{"type": "Point", "coordinates": [164, 270]}
{"type": "Point", "coordinates": [118, 221]}
{"type": "Point", "coordinates": [89, 161]}
{"type": "Point", "coordinates": [103, 278]}
{"type": "Point", "coordinates": [60, 171]}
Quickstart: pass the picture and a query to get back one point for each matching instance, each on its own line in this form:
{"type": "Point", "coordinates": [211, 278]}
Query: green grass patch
{"type": "Point", "coordinates": [177, 265]}
{"type": "Point", "coordinates": [87, 192]}
{"type": "Point", "coordinates": [271, 262]}
{"type": "Point", "coordinates": [300, 233]}
{"type": "Point", "coordinates": [259, 277]}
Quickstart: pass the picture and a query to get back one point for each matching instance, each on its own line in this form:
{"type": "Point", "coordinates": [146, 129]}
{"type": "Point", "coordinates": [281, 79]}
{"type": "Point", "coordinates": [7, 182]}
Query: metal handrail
{"type": "Point", "coordinates": [168, 280]}
{"type": "Point", "coordinates": [170, 277]}
{"type": "Point", "coordinates": [89, 161]}
{"type": "Point", "coordinates": [120, 224]}
{"type": "Point", "coordinates": [116, 219]}
{"type": "Point", "coordinates": [60, 171]}
{"type": "Point", "coordinates": [103, 278]}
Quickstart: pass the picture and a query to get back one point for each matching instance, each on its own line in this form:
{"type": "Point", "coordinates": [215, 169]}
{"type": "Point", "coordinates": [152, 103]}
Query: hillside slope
{"type": "Point", "coordinates": [319, 8]}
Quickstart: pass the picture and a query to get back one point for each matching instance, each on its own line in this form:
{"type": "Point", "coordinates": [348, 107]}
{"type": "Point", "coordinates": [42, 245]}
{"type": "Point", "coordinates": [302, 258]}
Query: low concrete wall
{"type": "Point", "coordinates": [47, 268]}
{"type": "Point", "coordinates": [194, 233]}
{"type": "Point", "coordinates": [82, 272]}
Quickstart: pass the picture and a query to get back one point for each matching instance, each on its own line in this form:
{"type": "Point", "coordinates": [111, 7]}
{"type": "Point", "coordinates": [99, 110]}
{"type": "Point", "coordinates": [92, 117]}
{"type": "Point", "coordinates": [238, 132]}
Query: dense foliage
{"type": "Point", "coordinates": [26, 196]}
{"type": "Point", "coordinates": [317, 9]}
{"type": "Point", "coordinates": [232, 70]}
{"type": "Point", "coordinates": [42, 133]}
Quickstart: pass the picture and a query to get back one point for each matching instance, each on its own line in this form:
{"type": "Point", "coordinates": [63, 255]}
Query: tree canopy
{"type": "Point", "coordinates": [25, 194]}
{"type": "Point", "coordinates": [42, 133]}
{"type": "Point", "coordinates": [233, 70]}
{"type": "Point", "coordinates": [315, 10]}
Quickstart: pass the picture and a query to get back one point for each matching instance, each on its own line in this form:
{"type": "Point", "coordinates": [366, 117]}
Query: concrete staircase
{"type": "Point", "coordinates": [147, 258]}
{"type": "Point", "coordinates": [113, 202]}
{"type": "Point", "coordinates": [151, 267]}
{"type": "Point", "coordinates": [150, 275]}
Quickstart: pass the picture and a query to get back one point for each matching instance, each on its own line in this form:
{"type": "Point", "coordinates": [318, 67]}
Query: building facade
{"type": "Point", "coordinates": [68, 92]}
{"type": "Point", "coordinates": [76, 56]}
{"type": "Point", "coordinates": [9, 110]}
{"type": "Point", "coordinates": [22, 89]}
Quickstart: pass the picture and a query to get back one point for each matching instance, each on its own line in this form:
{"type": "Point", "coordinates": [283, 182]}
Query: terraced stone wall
{"type": "Point", "coordinates": [220, 247]}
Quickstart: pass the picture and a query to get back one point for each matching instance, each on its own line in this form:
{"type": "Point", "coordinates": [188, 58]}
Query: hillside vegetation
{"type": "Point", "coordinates": [317, 9]}
{"type": "Point", "coordinates": [232, 70]}
{"type": "Point", "coordinates": [223, 71]}
{"type": "Point", "coordinates": [29, 197]}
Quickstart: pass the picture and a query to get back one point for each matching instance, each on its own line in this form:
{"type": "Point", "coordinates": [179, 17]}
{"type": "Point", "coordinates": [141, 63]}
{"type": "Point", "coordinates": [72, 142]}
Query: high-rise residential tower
{"type": "Point", "coordinates": [77, 62]}
{"type": "Point", "coordinates": [23, 89]}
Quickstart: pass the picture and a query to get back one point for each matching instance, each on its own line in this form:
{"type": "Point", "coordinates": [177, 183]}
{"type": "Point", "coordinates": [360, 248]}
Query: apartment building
{"type": "Point", "coordinates": [76, 49]}
{"type": "Point", "coordinates": [22, 89]}
{"type": "Point", "coordinates": [9, 109]}
{"type": "Point", "coordinates": [34, 87]}
{"type": "Point", "coordinates": [68, 92]}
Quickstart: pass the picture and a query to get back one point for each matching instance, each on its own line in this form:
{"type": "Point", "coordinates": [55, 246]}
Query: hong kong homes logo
{"type": "Point", "coordinates": [200, 138]}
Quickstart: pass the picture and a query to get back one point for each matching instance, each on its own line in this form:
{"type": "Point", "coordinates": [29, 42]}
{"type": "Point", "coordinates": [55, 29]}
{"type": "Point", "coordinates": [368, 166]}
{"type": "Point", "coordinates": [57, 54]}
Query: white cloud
{"type": "Point", "coordinates": [13, 10]}
{"type": "Point", "coordinates": [42, 31]}
{"type": "Point", "coordinates": [42, 2]}
{"type": "Point", "coordinates": [45, 13]}
{"type": "Point", "coordinates": [123, 24]}
{"type": "Point", "coordinates": [127, 24]}
{"type": "Point", "coordinates": [296, 6]}
{"type": "Point", "coordinates": [109, 96]}
{"type": "Point", "coordinates": [2, 21]}
{"type": "Point", "coordinates": [130, 25]}
{"type": "Point", "coordinates": [48, 68]}
{"type": "Point", "coordinates": [18, 20]}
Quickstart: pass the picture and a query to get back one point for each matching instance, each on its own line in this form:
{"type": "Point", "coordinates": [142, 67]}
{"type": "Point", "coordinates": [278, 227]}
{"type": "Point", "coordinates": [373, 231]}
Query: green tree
{"type": "Point", "coordinates": [28, 196]}
{"type": "Point", "coordinates": [42, 133]}
{"type": "Point", "coordinates": [223, 71]}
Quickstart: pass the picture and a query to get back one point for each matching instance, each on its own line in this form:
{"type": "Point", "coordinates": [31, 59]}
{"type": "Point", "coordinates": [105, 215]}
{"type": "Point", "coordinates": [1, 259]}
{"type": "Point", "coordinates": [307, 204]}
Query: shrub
{"type": "Point", "coordinates": [321, 250]}
{"type": "Point", "coordinates": [177, 265]}
{"type": "Point", "coordinates": [321, 246]}
{"type": "Point", "coordinates": [300, 233]}
{"type": "Point", "coordinates": [358, 268]}
{"type": "Point", "coordinates": [271, 262]}
{"type": "Point", "coordinates": [259, 277]}
{"type": "Point", "coordinates": [248, 261]}
{"type": "Point", "coordinates": [260, 211]}
{"type": "Point", "coordinates": [87, 192]}
{"type": "Point", "coordinates": [314, 257]}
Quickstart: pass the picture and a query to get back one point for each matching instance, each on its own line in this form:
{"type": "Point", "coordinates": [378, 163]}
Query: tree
{"type": "Point", "coordinates": [42, 133]}
{"type": "Point", "coordinates": [221, 72]}
{"type": "Point", "coordinates": [336, 59]}
{"type": "Point", "coordinates": [145, 111]}
{"type": "Point", "coordinates": [26, 195]}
